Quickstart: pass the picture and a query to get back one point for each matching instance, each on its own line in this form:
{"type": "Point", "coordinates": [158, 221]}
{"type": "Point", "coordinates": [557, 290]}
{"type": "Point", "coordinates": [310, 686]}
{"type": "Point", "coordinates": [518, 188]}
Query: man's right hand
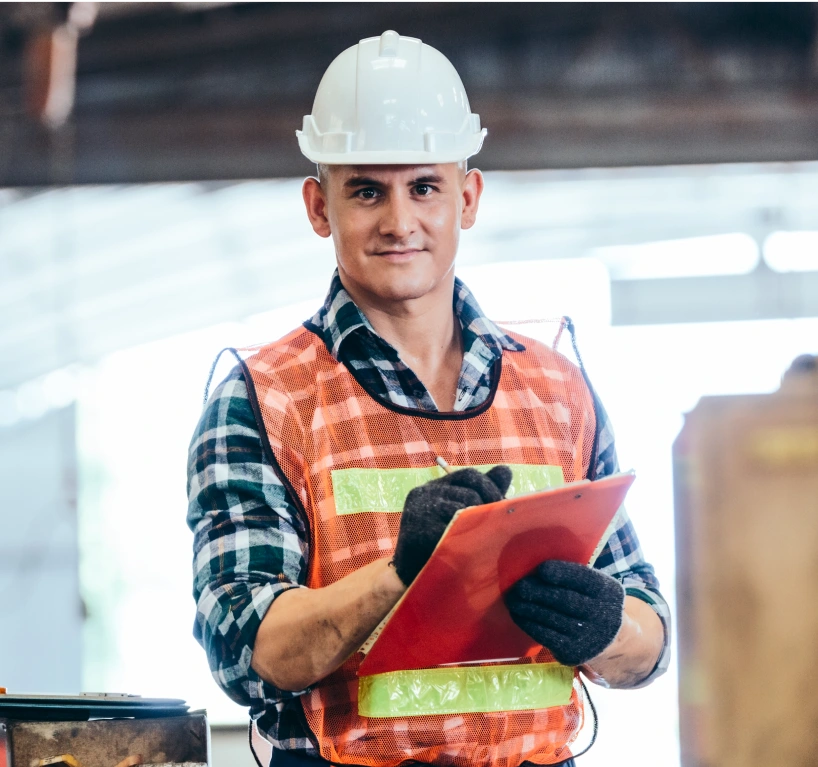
{"type": "Point", "coordinates": [429, 509]}
{"type": "Point", "coordinates": [331, 623]}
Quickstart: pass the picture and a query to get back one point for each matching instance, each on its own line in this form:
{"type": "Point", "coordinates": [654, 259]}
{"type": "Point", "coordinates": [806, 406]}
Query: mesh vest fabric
{"type": "Point", "coordinates": [317, 419]}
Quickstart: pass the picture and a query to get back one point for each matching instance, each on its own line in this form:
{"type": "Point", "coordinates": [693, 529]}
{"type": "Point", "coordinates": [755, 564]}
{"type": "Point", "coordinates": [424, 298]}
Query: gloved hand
{"type": "Point", "coordinates": [572, 610]}
{"type": "Point", "coordinates": [428, 509]}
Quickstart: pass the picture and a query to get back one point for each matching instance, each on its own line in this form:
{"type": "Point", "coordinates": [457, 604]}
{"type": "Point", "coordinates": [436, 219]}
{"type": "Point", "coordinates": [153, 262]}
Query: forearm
{"type": "Point", "coordinates": [308, 633]}
{"type": "Point", "coordinates": [635, 650]}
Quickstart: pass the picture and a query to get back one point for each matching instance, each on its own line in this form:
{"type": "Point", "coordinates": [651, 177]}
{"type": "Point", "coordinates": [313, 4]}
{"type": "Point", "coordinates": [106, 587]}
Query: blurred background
{"type": "Point", "coordinates": [651, 170]}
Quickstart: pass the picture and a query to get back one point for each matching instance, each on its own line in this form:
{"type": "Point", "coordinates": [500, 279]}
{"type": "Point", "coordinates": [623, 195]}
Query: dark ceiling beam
{"type": "Point", "coordinates": [197, 144]}
{"type": "Point", "coordinates": [217, 93]}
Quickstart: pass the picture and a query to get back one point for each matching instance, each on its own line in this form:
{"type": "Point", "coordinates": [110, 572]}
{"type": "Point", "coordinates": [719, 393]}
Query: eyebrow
{"type": "Point", "coordinates": [355, 182]}
{"type": "Point", "coordinates": [431, 178]}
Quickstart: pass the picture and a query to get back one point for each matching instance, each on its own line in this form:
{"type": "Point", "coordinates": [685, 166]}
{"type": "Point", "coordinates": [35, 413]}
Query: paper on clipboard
{"type": "Point", "coordinates": [454, 611]}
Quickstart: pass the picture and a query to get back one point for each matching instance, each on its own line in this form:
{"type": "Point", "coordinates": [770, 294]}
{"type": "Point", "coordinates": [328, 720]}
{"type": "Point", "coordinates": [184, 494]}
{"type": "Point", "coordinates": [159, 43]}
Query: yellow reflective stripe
{"type": "Point", "coordinates": [384, 490]}
{"type": "Point", "coordinates": [465, 689]}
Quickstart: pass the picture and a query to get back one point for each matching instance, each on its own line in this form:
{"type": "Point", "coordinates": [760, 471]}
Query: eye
{"type": "Point", "coordinates": [424, 190]}
{"type": "Point", "coordinates": [368, 193]}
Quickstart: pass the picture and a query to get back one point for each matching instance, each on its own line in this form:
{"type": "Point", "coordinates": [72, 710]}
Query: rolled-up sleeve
{"type": "Point", "coordinates": [250, 542]}
{"type": "Point", "coordinates": [621, 557]}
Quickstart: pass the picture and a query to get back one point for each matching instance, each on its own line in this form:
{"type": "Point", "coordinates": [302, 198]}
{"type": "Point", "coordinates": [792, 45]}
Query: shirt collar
{"type": "Point", "coordinates": [474, 322]}
{"type": "Point", "coordinates": [339, 318]}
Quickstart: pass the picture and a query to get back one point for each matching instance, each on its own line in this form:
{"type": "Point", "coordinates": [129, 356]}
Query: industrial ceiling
{"type": "Point", "coordinates": [215, 91]}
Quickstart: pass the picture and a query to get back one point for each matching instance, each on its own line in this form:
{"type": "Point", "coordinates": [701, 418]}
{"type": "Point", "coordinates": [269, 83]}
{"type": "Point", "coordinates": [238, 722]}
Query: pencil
{"type": "Point", "coordinates": [443, 465]}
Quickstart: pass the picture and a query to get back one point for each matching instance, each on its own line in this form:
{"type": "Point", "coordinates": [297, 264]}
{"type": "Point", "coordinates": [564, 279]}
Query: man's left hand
{"type": "Point", "coordinates": [572, 610]}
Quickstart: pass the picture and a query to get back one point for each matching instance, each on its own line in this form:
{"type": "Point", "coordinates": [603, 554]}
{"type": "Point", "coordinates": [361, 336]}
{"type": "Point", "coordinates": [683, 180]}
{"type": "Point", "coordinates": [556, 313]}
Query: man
{"type": "Point", "coordinates": [398, 367]}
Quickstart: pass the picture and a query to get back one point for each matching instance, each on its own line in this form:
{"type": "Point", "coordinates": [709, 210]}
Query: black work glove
{"type": "Point", "coordinates": [572, 610]}
{"type": "Point", "coordinates": [428, 509]}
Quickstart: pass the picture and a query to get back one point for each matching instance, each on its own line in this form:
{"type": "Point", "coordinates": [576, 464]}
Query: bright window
{"type": "Point", "coordinates": [689, 257]}
{"type": "Point", "coordinates": [792, 251]}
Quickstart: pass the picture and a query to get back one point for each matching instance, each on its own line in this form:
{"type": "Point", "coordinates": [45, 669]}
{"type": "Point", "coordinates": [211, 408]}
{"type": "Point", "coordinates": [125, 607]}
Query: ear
{"type": "Point", "coordinates": [316, 203]}
{"type": "Point", "coordinates": [472, 189]}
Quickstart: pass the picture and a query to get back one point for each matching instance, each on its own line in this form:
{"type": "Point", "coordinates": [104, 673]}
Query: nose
{"type": "Point", "coordinates": [398, 216]}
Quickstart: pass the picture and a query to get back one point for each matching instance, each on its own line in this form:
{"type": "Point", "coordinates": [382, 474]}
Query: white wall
{"type": "Point", "coordinates": [41, 614]}
{"type": "Point", "coordinates": [229, 747]}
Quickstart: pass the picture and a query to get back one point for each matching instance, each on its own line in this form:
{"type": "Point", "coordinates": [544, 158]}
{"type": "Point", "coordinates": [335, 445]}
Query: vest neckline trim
{"type": "Point", "coordinates": [432, 415]}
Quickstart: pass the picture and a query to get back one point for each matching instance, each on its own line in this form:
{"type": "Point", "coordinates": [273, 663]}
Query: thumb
{"type": "Point", "coordinates": [501, 476]}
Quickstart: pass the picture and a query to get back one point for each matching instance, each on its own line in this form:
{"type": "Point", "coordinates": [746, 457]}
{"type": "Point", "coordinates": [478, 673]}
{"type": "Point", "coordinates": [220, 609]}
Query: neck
{"type": "Point", "coordinates": [426, 334]}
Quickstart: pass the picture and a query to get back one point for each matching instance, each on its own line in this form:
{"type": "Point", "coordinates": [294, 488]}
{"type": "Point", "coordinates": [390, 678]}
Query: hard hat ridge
{"type": "Point", "coordinates": [389, 44]}
{"type": "Point", "coordinates": [390, 100]}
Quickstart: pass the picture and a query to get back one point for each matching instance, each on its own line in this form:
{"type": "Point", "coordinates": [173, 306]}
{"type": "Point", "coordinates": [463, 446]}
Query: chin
{"type": "Point", "coordinates": [396, 282]}
{"type": "Point", "coordinates": [402, 287]}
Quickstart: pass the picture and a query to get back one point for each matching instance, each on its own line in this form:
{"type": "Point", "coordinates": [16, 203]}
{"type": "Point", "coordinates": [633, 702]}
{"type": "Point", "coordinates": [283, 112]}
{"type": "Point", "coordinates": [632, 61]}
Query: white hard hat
{"type": "Point", "coordinates": [390, 100]}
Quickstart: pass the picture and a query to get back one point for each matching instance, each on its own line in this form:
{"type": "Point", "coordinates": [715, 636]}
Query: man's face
{"type": "Point", "coordinates": [396, 228]}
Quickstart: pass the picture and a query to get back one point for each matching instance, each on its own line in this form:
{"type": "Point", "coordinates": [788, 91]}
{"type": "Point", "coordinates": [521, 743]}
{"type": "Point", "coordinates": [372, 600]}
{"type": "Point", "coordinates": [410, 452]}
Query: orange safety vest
{"type": "Point", "coordinates": [348, 459]}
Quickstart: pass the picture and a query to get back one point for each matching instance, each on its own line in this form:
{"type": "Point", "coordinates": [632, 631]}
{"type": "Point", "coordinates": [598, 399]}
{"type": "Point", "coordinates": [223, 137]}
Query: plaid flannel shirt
{"type": "Point", "coordinates": [250, 542]}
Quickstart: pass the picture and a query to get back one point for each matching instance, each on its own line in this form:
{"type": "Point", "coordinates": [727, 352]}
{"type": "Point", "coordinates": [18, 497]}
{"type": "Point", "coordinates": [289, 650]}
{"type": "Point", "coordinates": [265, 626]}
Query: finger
{"type": "Point", "coordinates": [501, 476]}
{"type": "Point", "coordinates": [552, 621]}
{"type": "Point", "coordinates": [570, 575]}
{"type": "Point", "coordinates": [539, 633]}
{"type": "Point", "coordinates": [428, 495]}
{"type": "Point", "coordinates": [444, 510]}
{"type": "Point", "coordinates": [464, 496]}
{"type": "Point", "coordinates": [567, 602]}
{"type": "Point", "coordinates": [477, 481]}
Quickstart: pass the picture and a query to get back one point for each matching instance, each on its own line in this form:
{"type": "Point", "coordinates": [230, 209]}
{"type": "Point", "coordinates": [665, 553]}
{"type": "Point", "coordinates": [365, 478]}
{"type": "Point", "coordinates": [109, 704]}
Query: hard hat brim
{"type": "Point", "coordinates": [390, 157]}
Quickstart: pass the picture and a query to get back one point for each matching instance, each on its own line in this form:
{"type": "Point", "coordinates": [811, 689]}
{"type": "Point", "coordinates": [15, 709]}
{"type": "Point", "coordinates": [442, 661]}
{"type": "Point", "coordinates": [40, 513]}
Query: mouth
{"type": "Point", "coordinates": [396, 255]}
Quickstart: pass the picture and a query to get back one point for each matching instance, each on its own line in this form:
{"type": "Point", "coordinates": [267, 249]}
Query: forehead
{"type": "Point", "coordinates": [391, 173]}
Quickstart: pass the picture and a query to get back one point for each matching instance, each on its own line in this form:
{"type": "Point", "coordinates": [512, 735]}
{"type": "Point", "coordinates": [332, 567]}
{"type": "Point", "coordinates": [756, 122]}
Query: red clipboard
{"type": "Point", "coordinates": [454, 613]}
